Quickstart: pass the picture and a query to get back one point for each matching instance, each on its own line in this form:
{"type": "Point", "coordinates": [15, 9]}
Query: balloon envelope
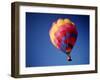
{"type": "Point", "coordinates": [63, 35]}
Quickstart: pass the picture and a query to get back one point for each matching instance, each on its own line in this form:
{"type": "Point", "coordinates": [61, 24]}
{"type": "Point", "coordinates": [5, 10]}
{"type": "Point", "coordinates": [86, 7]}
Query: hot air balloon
{"type": "Point", "coordinates": [63, 35]}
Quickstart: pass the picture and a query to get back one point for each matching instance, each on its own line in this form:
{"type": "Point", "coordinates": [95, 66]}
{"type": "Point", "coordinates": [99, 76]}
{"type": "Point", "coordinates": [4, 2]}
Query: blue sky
{"type": "Point", "coordinates": [39, 49]}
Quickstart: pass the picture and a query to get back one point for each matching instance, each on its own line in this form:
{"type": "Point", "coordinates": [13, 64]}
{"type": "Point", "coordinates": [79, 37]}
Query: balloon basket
{"type": "Point", "coordinates": [69, 58]}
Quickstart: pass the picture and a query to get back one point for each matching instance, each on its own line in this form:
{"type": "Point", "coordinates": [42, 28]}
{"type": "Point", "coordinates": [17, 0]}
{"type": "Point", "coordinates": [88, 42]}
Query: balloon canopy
{"type": "Point", "coordinates": [63, 35]}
